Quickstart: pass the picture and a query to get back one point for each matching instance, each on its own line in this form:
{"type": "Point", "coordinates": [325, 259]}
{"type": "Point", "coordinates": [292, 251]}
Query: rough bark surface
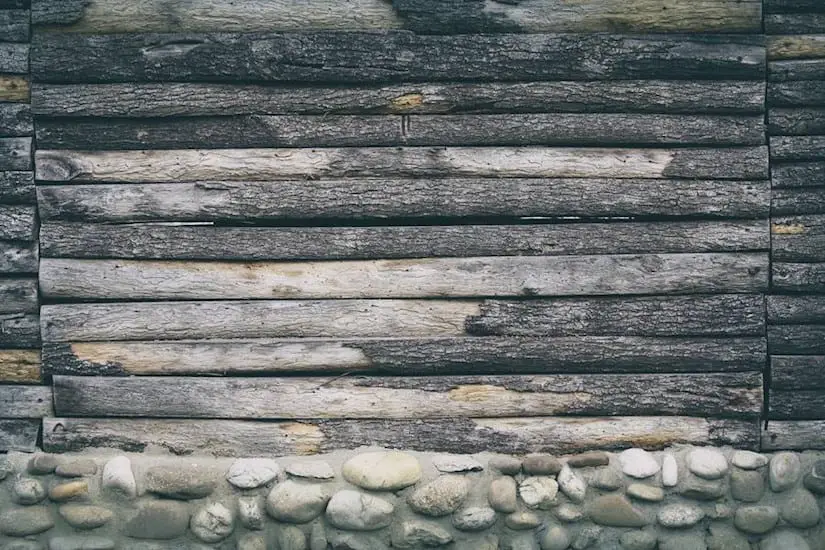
{"type": "Point", "coordinates": [797, 372]}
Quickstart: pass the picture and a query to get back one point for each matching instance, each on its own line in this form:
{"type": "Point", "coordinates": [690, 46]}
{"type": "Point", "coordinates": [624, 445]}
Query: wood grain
{"type": "Point", "coordinates": [15, 119]}
{"type": "Point", "coordinates": [802, 23]}
{"type": "Point", "coordinates": [14, 25]}
{"type": "Point", "coordinates": [794, 94]}
{"type": "Point", "coordinates": [797, 372]}
{"type": "Point", "coordinates": [17, 257]}
{"type": "Point", "coordinates": [796, 339]}
{"type": "Point", "coordinates": [797, 405]}
{"type": "Point", "coordinates": [17, 187]}
{"type": "Point", "coordinates": [810, 46]}
{"type": "Point", "coordinates": [788, 202]}
{"type": "Point", "coordinates": [13, 88]}
{"type": "Point", "coordinates": [25, 402]}
{"type": "Point", "coordinates": [19, 435]}
{"type": "Point", "coordinates": [19, 330]}
{"type": "Point", "coordinates": [798, 277]}
{"type": "Point", "coordinates": [18, 223]}
{"type": "Point", "coordinates": [18, 295]}
{"type": "Point", "coordinates": [793, 6]}
{"type": "Point", "coordinates": [20, 366]}
{"type": "Point", "coordinates": [15, 153]}
{"type": "Point", "coordinates": [798, 239]}
{"type": "Point", "coordinates": [796, 122]}
{"type": "Point", "coordinates": [800, 435]}
{"type": "Point", "coordinates": [798, 174]}
{"type": "Point", "coordinates": [14, 58]}
{"type": "Point", "coordinates": [790, 310]}
{"type": "Point", "coordinates": [797, 148]}
{"type": "Point", "coordinates": [798, 69]}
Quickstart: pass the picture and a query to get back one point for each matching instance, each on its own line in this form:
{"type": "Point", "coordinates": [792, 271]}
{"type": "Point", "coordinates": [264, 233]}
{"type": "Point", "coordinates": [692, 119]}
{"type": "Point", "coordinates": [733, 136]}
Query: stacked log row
{"type": "Point", "coordinates": [425, 238]}
{"type": "Point", "coordinates": [796, 315]}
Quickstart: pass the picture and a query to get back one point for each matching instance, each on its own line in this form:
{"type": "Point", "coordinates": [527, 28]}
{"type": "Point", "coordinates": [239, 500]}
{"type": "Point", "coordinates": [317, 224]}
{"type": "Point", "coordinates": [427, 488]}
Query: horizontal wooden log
{"type": "Point", "coordinates": [19, 330]}
{"type": "Point", "coordinates": [182, 99]}
{"type": "Point", "coordinates": [796, 122]}
{"type": "Point", "coordinates": [18, 295]}
{"type": "Point", "coordinates": [788, 202]}
{"type": "Point", "coordinates": [18, 223]}
{"type": "Point", "coordinates": [408, 356]}
{"type": "Point", "coordinates": [207, 242]}
{"type": "Point", "coordinates": [414, 130]}
{"type": "Point", "coordinates": [25, 401]}
{"type": "Point", "coordinates": [796, 23]}
{"type": "Point", "coordinates": [796, 94]}
{"type": "Point", "coordinates": [801, 69]}
{"type": "Point", "coordinates": [797, 372]}
{"type": "Point", "coordinates": [794, 148]}
{"type": "Point", "coordinates": [13, 88]}
{"type": "Point", "coordinates": [15, 119]}
{"type": "Point", "coordinates": [14, 4]}
{"type": "Point", "coordinates": [17, 187]}
{"type": "Point", "coordinates": [14, 25]}
{"type": "Point", "coordinates": [455, 277]}
{"type": "Point", "coordinates": [381, 198]}
{"type": "Point", "coordinates": [796, 339]}
{"type": "Point", "coordinates": [14, 58]}
{"type": "Point", "coordinates": [800, 435]}
{"type": "Point", "coordinates": [558, 435]}
{"type": "Point", "coordinates": [793, 6]}
{"type": "Point", "coordinates": [520, 162]}
{"type": "Point", "coordinates": [794, 310]}
{"type": "Point", "coordinates": [800, 174]}
{"type": "Point", "coordinates": [796, 277]}
{"type": "Point", "coordinates": [797, 405]}
{"type": "Point", "coordinates": [19, 435]}
{"type": "Point", "coordinates": [358, 57]}
{"type": "Point", "coordinates": [18, 366]}
{"type": "Point", "coordinates": [17, 257]}
{"type": "Point", "coordinates": [727, 395]}
{"type": "Point", "coordinates": [798, 239]}
{"type": "Point", "coordinates": [808, 46]}
{"type": "Point", "coordinates": [16, 153]}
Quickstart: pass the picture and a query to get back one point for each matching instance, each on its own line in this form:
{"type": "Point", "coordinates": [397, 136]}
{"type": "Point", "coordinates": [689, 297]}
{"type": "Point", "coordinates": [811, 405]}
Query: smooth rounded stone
{"type": "Point", "coordinates": [539, 492]}
{"type": "Point", "coordinates": [587, 537]}
{"type": "Point", "coordinates": [682, 542]}
{"type": "Point", "coordinates": [724, 537]}
{"type": "Point", "coordinates": [607, 479]}
{"type": "Point", "coordinates": [414, 533]}
{"type": "Point", "coordinates": [21, 522]}
{"type": "Point", "coordinates": [291, 538]}
{"type": "Point", "coordinates": [159, 520]}
{"type": "Point", "coordinates": [42, 464]}
{"type": "Point", "coordinates": [382, 471]}
{"type": "Point", "coordinates": [487, 542]}
{"type": "Point", "coordinates": [212, 522]}
{"type": "Point", "coordinates": [452, 464]}
{"type": "Point", "coordinates": [590, 459]}
{"type": "Point", "coordinates": [85, 516]}
{"type": "Point", "coordinates": [707, 463]}
{"type": "Point", "coordinates": [5, 468]}
{"type": "Point", "coordinates": [784, 471]}
{"type": "Point", "coordinates": [254, 541]}
{"type": "Point", "coordinates": [508, 465]}
{"type": "Point", "coordinates": [670, 471]}
{"type": "Point", "coordinates": [814, 480]}
{"type": "Point", "coordinates": [647, 493]}
{"type": "Point", "coordinates": [249, 473]}
{"type": "Point", "coordinates": [554, 537]}
{"type": "Point", "coordinates": [702, 489]}
{"type": "Point", "coordinates": [756, 520]}
{"type": "Point", "coordinates": [540, 464]}
{"type": "Point", "coordinates": [315, 469]}
{"type": "Point", "coordinates": [799, 508]}
{"type": "Point", "coordinates": [441, 496]}
{"type": "Point", "coordinates": [353, 541]}
{"type": "Point", "coordinates": [318, 537]}
{"type": "Point", "coordinates": [521, 521]}
{"type": "Point", "coordinates": [78, 467]}
{"type": "Point", "coordinates": [614, 510]}
{"type": "Point", "coordinates": [476, 518]}
{"type": "Point", "coordinates": [81, 543]}
{"type": "Point", "coordinates": [251, 512]}
{"type": "Point", "coordinates": [568, 513]}
{"type": "Point", "coordinates": [719, 511]}
{"type": "Point", "coordinates": [638, 463]}
{"type": "Point", "coordinates": [519, 542]}
{"type": "Point", "coordinates": [117, 476]}
{"type": "Point", "coordinates": [502, 495]}
{"type": "Point", "coordinates": [294, 502]}
{"type": "Point", "coordinates": [27, 491]}
{"type": "Point", "coordinates": [678, 516]}
{"type": "Point", "coordinates": [182, 482]}
{"type": "Point", "coordinates": [68, 491]}
{"type": "Point", "coordinates": [23, 545]}
{"type": "Point", "coordinates": [784, 540]}
{"type": "Point", "coordinates": [571, 484]}
{"type": "Point", "coordinates": [747, 485]}
{"type": "Point", "coordinates": [638, 540]}
{"type": "Point", "coordinates": [356, 511]}
{"type": "Point", "coordinates": [748, 460]}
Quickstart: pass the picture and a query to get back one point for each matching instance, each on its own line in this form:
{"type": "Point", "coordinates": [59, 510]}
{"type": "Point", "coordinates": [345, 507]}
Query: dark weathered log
{"type": "Point", "coordinates": [793, 6]}
{"type": "Point", "coordinates": [809, 46]}
{"type": "Point", "coordinates": [726, 395]}
{"type": "Point", "coordinates": [796, 122]}
{"type": "Point", "coordinates": [804, 23]}
{"type": "Point", "coordinates": [800, 69]}
{"type": "Point", "coordinates": [17, 257]}
{"type": "Point", "coordinates": [358, 57]}
{"type": "Point", "coordinates": [18, 366]}
{"type": "Point", "coordinates": [408, 356]}
{"type": "Point", "coordinates": [796, 277]}
{"type": "Point", "coordinates": [788, 202]}
{"type": "Point", "coordinates": [18, 295]}
{"type": "Point", "coordinates": [801, 174]}
{"type": "Point", "coordinates": [797, 372]}
{"type": "Point", "coordinates": [19, 435]}
{"type": "Point", "coordinates": [558, 435]}
{"type": "Point", "coordinates": [15, 119]}
{"type": "Point", "coordinates": [16, 153]}
{"type": "Point", "coordinates": [800, 435]}
{"type": "Point", "coordinates": [13, 88]}
{"type": "Point", "coordinates": [790, 310]}
{"type": "Point", "coordinates": [18, 223]}
{"type": "Point", "coordinates": [14, 58]}
{"type": "Point", "coordinates": [518, 162]}
{"type": "Point", "coordinates": [25, 401]}
{"type": "Point", "coordinates": [414, 130]}
{"type": "Point", "coordinates": [387, 198]}
{"type": "Point", "coordinates": [439, 277]}
{"type": "Point", "coordinates": [207, 242]}
{"type": "Point", "coordinates": [797, 148]}
{"type": "Point", "coordinates": [17, 187]}
{"type": "Point", "coordinates": [14, 4]}
{"type": "Point", "coordinates": [797, 405]}
{"type": "Point", "coordinates": [798, 239]}
{"type": "Point", "coordinates": [796, 339]}
{"type": "Point", "coordinates": [795, 94]}
{"type": "Point", "coordinates": [181, 99]}
{"type": "Point", "coordinates": [19, 330]}
{"type": "Point", "coordinates": [14, 25]}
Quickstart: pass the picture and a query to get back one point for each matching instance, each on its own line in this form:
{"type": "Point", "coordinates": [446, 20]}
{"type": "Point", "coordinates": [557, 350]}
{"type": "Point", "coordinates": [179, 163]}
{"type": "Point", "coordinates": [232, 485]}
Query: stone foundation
{"type": "Point", "coordinates": [682, 498]}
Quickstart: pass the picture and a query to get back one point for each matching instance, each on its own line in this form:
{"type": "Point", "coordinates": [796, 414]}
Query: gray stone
{"type": "Point", "coordinates": [707, 463]}
{"type": "Point", "coordinates": [638, 540]}
{"type": "Point", "coordinates": [539, 492]}
{"type": "Point", "coordinates": [647, 493]}
{"type": "Point", "coordinates": [249, 473]}
{"type": "Point", "coordinates": [23, 545]}
{"type": "Point", "coordinates": [356, 511]}
{"type": "Point", "coordinates": [588, 460]}
{"type": "Point", "coordinates": [607, 479]}
{"type": "Point", "coordinates": [85, 516]}
{"type": "Point", "coordinates": [476, 518]}
{"type": "Point", "coordinates": [251, 512]}
{"type": "Point", "coordinates": [724, 537]}
{"type": "Point", "coordinates": [254, 541]}
{"type": "Point", "coordinates": [784, 540]}
{"type": "Point", "coordinates": [68, 491]}
{"type": "Point", "coordinates": [414, 533]}
{"type": "Point", "coordinates": [291, 538]}
{"type": "Point", "coordinates": [351, 541]}
{"type": "Point", "coordinates": [638, 463]}
{"type": "Point", "coordinates": [519, 542]}
{"type": "Point", "coordinates": [441, 496]}
{"type": "Point", "coordinates": [318, 537]}
{"type": "Point", "coordinates": [27, 491]}
{"type": "Point", "coordinates": [756, 520]}
{"type": "Point", "coordinates": [670, 471]}
{"type": "Point", "coordinates": [212, 522]}
{"type": "Point", "coordinates": [540, 464]}
{"type": "Point", "coordinates": [785, 471]}
{"type": "Point", "coordinates": [81, 543]}
{"type": "Point", "coordinates": [568, 513]}
{"type": "Point", "coordinates": [117, 476]}
{"type": "Point", "coordinates": [800, 509]}
{"type": "Point", "coordinates": [682, 542]}
{"type": "Point", "coordinates": [183, 482]}
{"type": "Point", "coordinates": [382, 471]}
{"type": "Point", "coordinates": [42, 464]}
{"type": "Point", "coordinates": [507, 465]}
{"type": "Point", "coordinates": [815, 480]}
{"type": "Point", "coordinates": [315, 469]}
{"type": "Point", "coordinates": [554, 537]}
{"type": "Point", "coordinates": [78, 467]}
{"type": "Point", "coordinates": [295, 502]}
{"type": "Point", "coordinates": [571, 484]}
{"type": "Point", "coordinates": [587, 537]}
{"type": "Point", "coordinates": [21, 522]}
{"type": "Point", "coordinates": [747, 485]}
{"type": "Point", "coordinates": [680, 515]}
{"type": "Point", "coordinates": [720, 510]}
{"type": "Point", "coordinates": [502, 495]}
{"type": "Point", "coordinates": [487, 542]}
{"type": "Point", "coordinates": [614, 511]}
{"type": "Point", "coordinates": [700, 489]}
{"type": "Point", "coordinates": [160, 520]}
{"type": "Point", "coordinates": [748, 460]}
{"type": "Point", "coordinates": [456, 464]}
{"type": "Point", "coordinates": [521, 521]}
{"type": "Point", "coordinates": [5, 468]}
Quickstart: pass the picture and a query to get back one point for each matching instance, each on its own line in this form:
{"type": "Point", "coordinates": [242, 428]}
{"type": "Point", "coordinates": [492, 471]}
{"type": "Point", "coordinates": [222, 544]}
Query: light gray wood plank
{"type": "Point", "coordinates": [18, 295]}
{"type": "Point", "coordinates": [800, 435]}
{"type": "Point", "coordinates": [18, 223]}
{"type": "Point", "coordinates": [15, 153]}
{"type": "Point", "coordinates": [15, 119]}
{"type": "Point", "coordinates": [790, 310]}
{"type": "Point", "coordinates": [19, 330]}
{"type": "Point", "coordinates": [796, 94]}
{"type": "Point", "coordinates": [796, 69]}
{"type": "Point", "coordinates": [797, 372]}
{"type": "Point", "coordinates": [796, 339]}
{"type": "Point", "coordinates": [14, 58]}
{"type": "Point", "coordinates": [16, 257]}
{"type": "Point", "coordinates": [25, 401]}
{"type": "Point", "coordinates": [19, 435]}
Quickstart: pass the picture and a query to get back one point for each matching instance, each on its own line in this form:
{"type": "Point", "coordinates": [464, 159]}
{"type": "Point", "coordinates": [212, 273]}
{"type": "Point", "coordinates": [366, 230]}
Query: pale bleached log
{"type": "Point", "coordinates": [18, 295]}
{"type": "Point", "coordinates": [439, 277]}
{"type": "Point", "coordinates": [796, 405]}
{"type": "Point", "coordinates": [17, 257]}
{"type": "Point", "coordinates": [728, 395]}
{"type": "Point", "coordinates": [796, 122]}
{"type": "Point", "coordinates": [796, 339]}
{"type": "Point", "coordinates": [796, 94]}
{"type": "Point", "coordinates": [789, 202]}
{"type": "Point", "coordinates": [19, 330]}
{"type": "Point", "coordinates": [797, 69]}
{"type": "Point", "coordinates": [18, 223]}
{"type": "Point", "coordinates": [14, 88]}
{"type": "Point", "coordinates": [14, 58]}
{"type": "Point", "coordinates": [794, 6]}
{"type": "Point", "coordinates": [793, 148]}
{"type": "Point", "coordinates": [519, 162]}
{"type": "Point", "coordinates": [797, 372]}
{"type": "Point", "coordinates": [14, 25]}
{"type": "Point", "coordinates": [798, 239]}
{"type": "Point", "coordinates": [17, 187]}
{"type": "Point", "coordinates": [19, 435]}
{"type": "Point", "coordinates": [19, 366]}
{"type": "Point", "coordinates": [15, 119]}
{"type": "Point", "coordinates": [796, 23]}
{"type": "Point", "coordinates": [208, 242]}
{"type": "Point", "coordinates": [392, 197]}
{"type": "Point", "coordinates": [790, 310]}
{"type": "Point", "coordinates": [799, 174]}
{"type": "Point", "coordinates": [556, 435]}
{"type": "Point", "coordinates": [802, 435]}
{"type": "Point", "coordinates": [25, 401]}
{"type": "Point", "coordinates": [181, 99]}
{"type": "Point", "coordinates": [809, 46]}
{"type": "Point", "coordinates": [15, 153]}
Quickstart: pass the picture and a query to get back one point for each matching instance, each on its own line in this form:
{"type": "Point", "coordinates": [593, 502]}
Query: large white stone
{"type": "Point", "coordinates": [249, 473]}
{"type": "Point", "coordinates": [707, 463]}
{"type": "Point", "coordinates": [539, 492]}
{"type": "Point", "coordinates": [382, 471]}
{"type": "Point", "coordinates": [785, 471]}
{"type": "Point", "coordinates": [638, 463]}
{"type": "Point", "coordinates": [117, 475]}
{"type": "Point", "coordinates": [670, 471]}
{"type": "Point", "coordinates": [571, 484]}
{"type": "Point", "coordinates": [356, 511]}
{"type": "Point", "coordinates": [748, 460]}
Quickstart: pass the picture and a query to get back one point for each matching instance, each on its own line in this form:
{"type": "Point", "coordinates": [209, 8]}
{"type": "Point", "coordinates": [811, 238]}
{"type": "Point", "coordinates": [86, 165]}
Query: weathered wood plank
{"type": "Point", "coordinates": [802, 69]}
{"type": "Point", "coordinates": [791, 148]}
{"type": "Point", "coordinates": [207, 242]}
{"type": "Point", "coordinates": [14, 25]}
{"type": "Point", "coordinates": [409, 356]}
{"type": "Point", "coordinates": [728, 395]}
{"type": "Point", "coordinates": [797, 372]}
{"type": "Point", "coordinates": [19, 330]}
{"type": "Point", "coordinates": [789, 202]}
{"type": "Point", "coordinates": [789, 310]}
{"type": "Point", "coordinates": [18, 366]}
{"type": "Point", "coordinates": [800, 435]}
{"type": "Point", "coordinates": [13, 88]}
{"type": "Point", "coordinates": [793, 6]}
{"type": "Point", "coordinates": [796, 122]}
{"type": "Point", "coordinates": [801, 174]}
{"type": "Point", "coordinates": [182, 99]}
{"type": "Point", "coordinates": [795, 94]}
{"type": "Point", "coordinates": [796, 277]}
{"type": "Point", "coordinates": [798, 239]}
{"type": "Point", "coordinates": [14, 4]}
{"type": "Point", "coordinates": [19, 435]}
{"type": "Point", "coordinates": [809, 46]}
{"type": "Point", "coordinates": [804, 23]}
{"type": "Point", "coordinates": [25, 401]}
{"type": "Point", "coordinates": [17, 187]}
{"type": "Point", "coordinates": [14, 58]}
{"type": "Point", "coordinates": [557, 435]}
{"type": "Point", "coordinates": [16, 257]}
{"type": "Point", "coordinates": [18, 295]}
{"type": "Point", "coordinates": [797, 405]}
{"type": "Point", "coordinates": [18, 223]}
{"type": "Point", "coordinates": [358, 57]}
{"type": "Point", "coordinates": [455, 277]}
{"type": "Point", "coordinates": [414, 130]}
{"type": "Point", "coordinates": [387, 198]}
{"type": "Point", "coordinates": [520, 162]}
{"type": "Point", "coordinates": [16, 153]}
{"type": "Point", "coordinates": [15, 119]}
{"type": "Point", "coordinates": [796, 339]}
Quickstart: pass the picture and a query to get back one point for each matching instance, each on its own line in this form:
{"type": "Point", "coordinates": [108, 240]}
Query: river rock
{"type": "Point", "coordinates": [476, 518]}
{"type": "Point", "coordinates": [756, 520]}
{"type": "Point", "coordinates": [748, 460]}
{"type": "Point", "coordinates": [502, 495]}
{"type": "Point", "coordinates": [81, 543]}
{"type": "Point", "coordinates": [571, 484]}
{"type": "Point", "coordinates": [117, 476]}
{"type": "Point", "coordinates": [554, 537]}
{"type": "Point", "coordinates": [78, 467]}
{"type": "Point", "coordinates": [160, 520]}
{"type": "Point", "coordinates": [356, 511]}
{"type": "Point", "coordinates": [251, 512]}
{"type": "Point", "coordinates": [22, 544]}
{"type": "Point", "coordinates": [42, 464]}
{"type": "Point", "coordinates": [183, 482]}
{"type": "Point", "coordinates": [647, 493]}
{"type": "Point", "coordinates": [382, 471]}
{"type": "Point", "coordinates": [521, 521]}
{"type": "Point", "coordinates": [590, 459]}
{"type": "Point", "coordinates": [541, 464]}
{"type": "Point", "coordinates": [680, 515]}
{"type": "Point", "coordinates": [5, 468]}
{"type": "Point", "coordinates": [682, 542]}
{"type": "Point", "coordinates": [355, 541]}
{"type": "Point", "coordinates": [815, 480]}
{"type": "Point", "coordinates": [670, 471]}
{"type": "Point", "coordinates": [701, 489]}
{"type": "Point", "coordinates": [539, 492]}
{"type": "Point", "coordinates": [249, 473]}
{"type": "Point", "coordinates": [747, 485]}
{"type": "Point", "coordinates": [508, 465]}
{"type": "Point", "coordinates": [318, 537]}
{"type": "Point", "coordinates": [295, 502]}
{"type": "Point", "coordinates": [441, 496]}
{"type": "Point", "coordinates": [800, 509]}
{"type": "Point", "coordinates": [67, 491]}
{"type": "Point", "coordinates": [27, 491]}
{"type": "Point", "coordinates": [291, 538]}
{"type": "Point", "coordinates": [784, 471]}
{"type": "Point", "coordinates": [568, 513]}
{"type": "Point", "coordinates": [784, 540]}
{"type": "Point", "coordinates": [587, 537]}
{"type": "Point", "coordinates": [414, 533]}
{"type": "Point", "coordinates": [486, 542]}
{"type": "Point", "coordinates": [85, 516]}
{"type": "Point", "coordinates": [254, 541]}
{"type": "Point", "coordinates": [614, 510]}
{"type": "Point", "coordinates": [212, 522]}
{"type": "Point", "coordinates": [607, 479]}
{"type": "Point", "coordinates": [523, 541]}
{"type": "Point", "coordinates": [21, 522]}
{"type": "Point", "coordinates": [707, 463]}
{"type": "Point", "coordinates": [638, 540]}
{"type": "Point", "coordinates": [724, 537]}
{"type": "Point", "coordinates": [451, 464]}
{"type": "Point", "coordinates": [316, 469]}
{"type": "Point", "coordinates": [638, 463]}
